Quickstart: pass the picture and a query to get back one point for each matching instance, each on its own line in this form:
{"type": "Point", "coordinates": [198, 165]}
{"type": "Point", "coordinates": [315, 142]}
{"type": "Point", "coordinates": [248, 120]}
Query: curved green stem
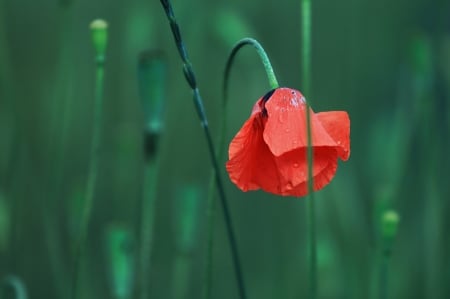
{"type": "Point", "coordinates": [264, 59]}
{"type": "Point", "coordinates": [190, 78]}
{"type": "Point", "coordinates": [211, 203]}
{"type": "Point", "coordinates": [16, 284]}
{"type": "Point", "coordinates": [306, 76]}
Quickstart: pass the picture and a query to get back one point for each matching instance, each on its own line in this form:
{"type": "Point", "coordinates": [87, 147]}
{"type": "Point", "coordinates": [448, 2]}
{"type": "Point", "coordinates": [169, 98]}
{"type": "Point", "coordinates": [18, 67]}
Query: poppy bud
{"type": "Point", "coordinates": [99, 34]}
{"type": "Point", "coordinates": [152, 69]}
{"type": "Point", "coordinates": [389, 224]}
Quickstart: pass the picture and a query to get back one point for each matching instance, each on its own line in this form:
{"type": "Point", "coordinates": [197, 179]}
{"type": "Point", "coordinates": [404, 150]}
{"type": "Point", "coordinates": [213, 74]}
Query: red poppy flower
{"type": "Point", "coordinates": [270, 150]}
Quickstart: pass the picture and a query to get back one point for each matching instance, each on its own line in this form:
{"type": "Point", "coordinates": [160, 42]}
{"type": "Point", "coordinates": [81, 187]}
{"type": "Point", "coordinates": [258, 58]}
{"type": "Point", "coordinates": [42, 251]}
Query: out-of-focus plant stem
{"type": "Point", "coordinates": [306, 77]}
{"type": "Point", "coordinates": [99, 36]}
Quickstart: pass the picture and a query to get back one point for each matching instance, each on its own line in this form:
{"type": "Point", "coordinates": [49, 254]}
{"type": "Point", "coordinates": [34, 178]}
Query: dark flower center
{"type": "Point", "coordinates": [265, 98]}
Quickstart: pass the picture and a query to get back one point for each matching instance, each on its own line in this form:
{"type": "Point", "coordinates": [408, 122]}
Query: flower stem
{"type": "Point", "coordinates": [384, 266]}
{"type": "Point", "coordinates": [306, 77]}
{"type": "Point", "coordinates": [147, 224]}
{"type": "Point", "coordinates": [95, 145]}
{"type": "Point", "coordinates": [190, 78]}
{"type": "Point", "coordinates": [211, 204]}
{"type": "Point", "coordinates": [151, 79]}
{"type": "Point", "coordinates": [264, 58]}
{"type": "Point", "coordinates": [210, 213]}
{"type": "Point", "coordinates": [306, 49]}
{"type": "Point", "coordinates": [389, 225]}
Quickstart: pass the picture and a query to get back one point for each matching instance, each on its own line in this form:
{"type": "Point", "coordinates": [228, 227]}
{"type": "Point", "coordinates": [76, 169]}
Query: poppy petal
{"type": "Point", "coordinates": [286, 129]}
{"type": "Point", "coordinates": [293, 168]}
{"type": "Point", "coordinates": [322, 179]}
{"type": "Point", "coordinates": [337, 124]}
{"type": "Point", "coordinates": [251, 165]}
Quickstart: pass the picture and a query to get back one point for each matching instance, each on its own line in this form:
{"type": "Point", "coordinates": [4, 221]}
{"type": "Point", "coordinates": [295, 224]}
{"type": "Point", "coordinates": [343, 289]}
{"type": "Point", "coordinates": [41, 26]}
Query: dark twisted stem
{"type": "Point", "coordinates": [190, 78]}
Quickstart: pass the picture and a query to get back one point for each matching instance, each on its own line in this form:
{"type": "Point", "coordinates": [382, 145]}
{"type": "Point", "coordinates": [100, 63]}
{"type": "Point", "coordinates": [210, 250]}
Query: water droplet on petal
{"type": "Point", "coordinates": [295, 165]}
{"type": "Point", "coordinates": [287, 130]}
{"type": "Point", "coordinates": [289, 186]}
{"type": "Point", "coordinates": [339, 142]}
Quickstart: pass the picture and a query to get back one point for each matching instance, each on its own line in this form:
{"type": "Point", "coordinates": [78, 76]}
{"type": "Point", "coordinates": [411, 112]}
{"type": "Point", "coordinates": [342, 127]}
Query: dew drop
{"type": "Point", "coordinates": [287, 130]}
{"type": "Point", "coordinates": [295, 165]}
{"type": "Point", "coordinates": [339, 142]}
{"type": "Point", "coordinates": [289, 186]}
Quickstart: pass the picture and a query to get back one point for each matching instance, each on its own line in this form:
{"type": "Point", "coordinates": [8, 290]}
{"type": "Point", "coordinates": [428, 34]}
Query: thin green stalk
{"type": "Point", "coordinates": [389, 225]}
{"type": "Point", "coordinates": [306, 48]}
{"type": "Point", "coordinates": [99, 31]}
{"type": "Point", "coordinates": [62, 97]}
{"type": "Point", "coordinates": [11, 153]}
{"type": "Point", "coordinates": [147, 221]}
{"type": "Point", "coordinates": [306, 77]}
{"type": "Point", "coordinates": [181, 272]}
{"type": "Point", "coordinates": [190, 78]}
{"type": "Point", "coordinates": [188, 221]}
{"type": "Point", "coordinates": [384, 265]}
{"type": "Point", "coordinates": [210, 215]}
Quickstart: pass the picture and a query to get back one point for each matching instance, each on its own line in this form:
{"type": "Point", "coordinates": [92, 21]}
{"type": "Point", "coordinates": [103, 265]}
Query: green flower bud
{"type": "Point", "coordinates": [389, 224]}
{"type": "Point", "coordinates": [152, 75]}
{"type": "Point", "coordinates": [119, 245]}
{"type": "Point", "coordinates": [99, 31]}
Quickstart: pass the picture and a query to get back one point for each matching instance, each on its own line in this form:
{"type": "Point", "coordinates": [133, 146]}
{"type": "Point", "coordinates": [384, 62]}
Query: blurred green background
{"type": "Point", "coordinates": [385, 62]}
